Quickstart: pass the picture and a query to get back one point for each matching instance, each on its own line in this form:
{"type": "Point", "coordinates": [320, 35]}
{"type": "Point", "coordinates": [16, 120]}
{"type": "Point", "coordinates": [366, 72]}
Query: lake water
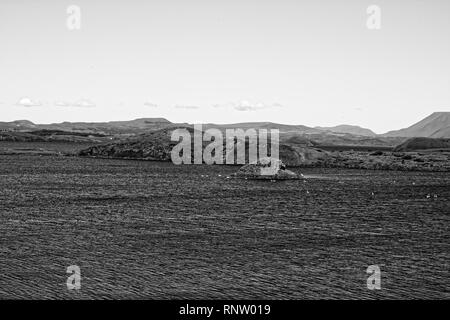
{"type": "Point", "coordinates": [155, 230]}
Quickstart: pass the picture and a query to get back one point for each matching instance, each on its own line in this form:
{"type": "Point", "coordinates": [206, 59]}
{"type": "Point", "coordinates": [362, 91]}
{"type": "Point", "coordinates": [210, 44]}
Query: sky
{"type": "Point", "coordinates": [315, 63]}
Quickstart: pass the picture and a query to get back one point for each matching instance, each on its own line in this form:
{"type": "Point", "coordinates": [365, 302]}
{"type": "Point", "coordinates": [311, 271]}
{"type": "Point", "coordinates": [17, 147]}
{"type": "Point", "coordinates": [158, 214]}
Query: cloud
{"type": "Point", "coordinates": [225, 105]}
{"type": "Point", "coordinates": [186, 107]}
{"type": "Point", "coordinates": [245, 105]}
{"type": "Point", "coordinates": [82, 103]}
{"type": "Point", "coordinates": [150, 104]}
{"type": "Point", "coordinates": [27, 102]}
{"type": "Point", "coordinates": [62, 104]}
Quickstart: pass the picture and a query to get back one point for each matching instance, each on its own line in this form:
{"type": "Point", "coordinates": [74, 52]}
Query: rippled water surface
{"type": "Point", "coordinates": [154, 230]}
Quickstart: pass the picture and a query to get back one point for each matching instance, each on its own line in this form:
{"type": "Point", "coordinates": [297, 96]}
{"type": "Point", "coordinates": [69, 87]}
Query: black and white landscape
{"type": "Point", "coordinates": [94, 206]}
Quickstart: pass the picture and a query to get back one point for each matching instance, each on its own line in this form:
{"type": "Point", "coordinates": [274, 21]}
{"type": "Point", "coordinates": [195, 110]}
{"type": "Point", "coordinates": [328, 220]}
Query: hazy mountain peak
{"type": "Point", "coordinates": [351, 129]}
{"type": "Point", "coordinates": [436, 125]}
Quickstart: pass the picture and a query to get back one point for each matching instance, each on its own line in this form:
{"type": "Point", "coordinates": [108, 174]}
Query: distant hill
{"type": "Point", "coordinates": [112, 127]}
{"type": "Point", "coordinates": [18, 125]}
{"type": "Point", "coordinates": [264, 125]}
{"type": "Point", "coordinates": [52, 136]}
{"type": "Point", "coordinates": [435, 125]}
{"type": "Point", "coordinates": [344, 128]}
{"type": "Point", "coordinates": [414, 144]}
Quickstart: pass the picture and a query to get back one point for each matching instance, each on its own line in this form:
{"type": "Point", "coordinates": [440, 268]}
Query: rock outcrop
{"type": "Point", "coordinates": [297, 156]}
{"type": "Point", "coordinates": [155, 145]}
{"type": "Point", "coordinates": [266, 169]}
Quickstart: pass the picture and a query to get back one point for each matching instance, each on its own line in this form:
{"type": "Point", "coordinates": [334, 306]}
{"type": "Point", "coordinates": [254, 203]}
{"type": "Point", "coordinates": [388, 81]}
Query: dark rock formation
{"type": "Point", "coordinates": [266, 169]}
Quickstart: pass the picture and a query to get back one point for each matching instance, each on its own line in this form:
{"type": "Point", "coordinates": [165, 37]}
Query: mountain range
{"type": "Point", "coordinates": [436, 125]}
